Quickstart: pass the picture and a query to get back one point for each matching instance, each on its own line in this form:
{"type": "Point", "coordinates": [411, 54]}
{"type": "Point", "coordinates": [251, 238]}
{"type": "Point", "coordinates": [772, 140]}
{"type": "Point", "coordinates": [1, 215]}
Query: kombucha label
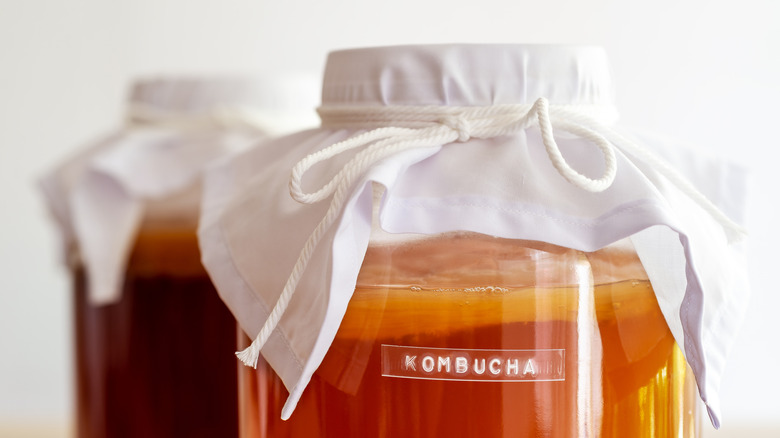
{"type": "Point", "coordinates": [472, 365]}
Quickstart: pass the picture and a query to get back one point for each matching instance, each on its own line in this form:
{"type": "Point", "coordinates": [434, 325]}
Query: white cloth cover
{"type": "Point", "coordinates": [151, 168]}
{"type": "Point", "coordinates": [251, 231]}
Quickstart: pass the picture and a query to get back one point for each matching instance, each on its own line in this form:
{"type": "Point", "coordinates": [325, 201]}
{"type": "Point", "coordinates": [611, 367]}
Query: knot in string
{"type": "Point", "coordinates": [459, 124]}
{"type": "Point", "coordinates": [397, 129]}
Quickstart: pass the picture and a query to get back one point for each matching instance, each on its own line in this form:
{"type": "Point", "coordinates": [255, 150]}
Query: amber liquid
{"type": "Point", "coordinates": [624, 374]}
{"type": "Point", "coordinates": [158, 363]}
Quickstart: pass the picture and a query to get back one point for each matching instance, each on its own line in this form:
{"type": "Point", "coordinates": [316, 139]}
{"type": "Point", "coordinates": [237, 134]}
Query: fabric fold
{"type": "Point", "coordinates": [150, 170]}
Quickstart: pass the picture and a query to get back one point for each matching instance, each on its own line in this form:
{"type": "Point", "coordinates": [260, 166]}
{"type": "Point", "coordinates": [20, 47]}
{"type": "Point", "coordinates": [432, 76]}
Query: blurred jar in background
{"type": "Point", "coordinates": [153, 342]}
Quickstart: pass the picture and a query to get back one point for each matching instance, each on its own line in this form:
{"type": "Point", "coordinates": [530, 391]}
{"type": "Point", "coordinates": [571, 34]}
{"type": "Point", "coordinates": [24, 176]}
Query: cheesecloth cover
{"type": "Point", "coordinates": [150, 169]}
{"type": "Point", "coordinates": [511, 141]}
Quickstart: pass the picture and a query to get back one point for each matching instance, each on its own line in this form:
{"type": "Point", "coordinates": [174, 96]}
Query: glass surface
{"type": "Point", "coordinates": [466, 335]}
{"type": "Point", "coordinates": [158, 363]}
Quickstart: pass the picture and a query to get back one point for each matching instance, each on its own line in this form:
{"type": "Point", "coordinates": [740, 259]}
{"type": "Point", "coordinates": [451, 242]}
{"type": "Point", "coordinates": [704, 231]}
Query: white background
{"type": "Point", "coordinates": [703, 71]}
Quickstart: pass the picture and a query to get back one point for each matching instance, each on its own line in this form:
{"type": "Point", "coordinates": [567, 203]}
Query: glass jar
{"type": "Point", "coordinates": [505, 295]}
{"type": "Point", "coordinates": [154, 355]}
{"type": "Point", "coordinates": [464, 335]}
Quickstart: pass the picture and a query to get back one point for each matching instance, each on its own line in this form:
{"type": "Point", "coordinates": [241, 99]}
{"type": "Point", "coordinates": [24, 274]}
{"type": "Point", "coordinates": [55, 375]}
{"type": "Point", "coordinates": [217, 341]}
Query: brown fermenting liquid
{"type": "Point", "coordinates": [158, 363]}
{"type": "Point", "coordinates": [472, 336]}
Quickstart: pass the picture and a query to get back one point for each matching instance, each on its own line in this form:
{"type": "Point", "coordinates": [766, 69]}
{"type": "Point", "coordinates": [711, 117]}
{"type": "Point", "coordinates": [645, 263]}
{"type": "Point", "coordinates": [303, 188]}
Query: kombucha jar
{"type": "Point", "coordinates": [468, 247]}
{"type": "Point", "coordinates": [153, 342]}
{"type": "Point", "coordinates": [466, 335]}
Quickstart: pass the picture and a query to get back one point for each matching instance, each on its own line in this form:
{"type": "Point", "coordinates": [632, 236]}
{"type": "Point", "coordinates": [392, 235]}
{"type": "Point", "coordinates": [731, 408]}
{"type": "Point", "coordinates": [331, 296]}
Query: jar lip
{"type": "Point", "coordinates": [540, 249]}
{"type": "Point", "coordinates": [467, 74]}
{"type": "Point", "coordinates": [381, 238]}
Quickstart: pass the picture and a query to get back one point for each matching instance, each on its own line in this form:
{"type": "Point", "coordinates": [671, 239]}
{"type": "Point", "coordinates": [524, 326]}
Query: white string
{"type": "Point", "coordinates": [220, 117]}
{"type": "Point", "coordinates": [402, 128]}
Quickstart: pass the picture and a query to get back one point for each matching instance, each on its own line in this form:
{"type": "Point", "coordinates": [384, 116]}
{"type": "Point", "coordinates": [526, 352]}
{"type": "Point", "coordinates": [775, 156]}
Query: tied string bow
{"type": "Point", "coordinates": [401, 128]}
